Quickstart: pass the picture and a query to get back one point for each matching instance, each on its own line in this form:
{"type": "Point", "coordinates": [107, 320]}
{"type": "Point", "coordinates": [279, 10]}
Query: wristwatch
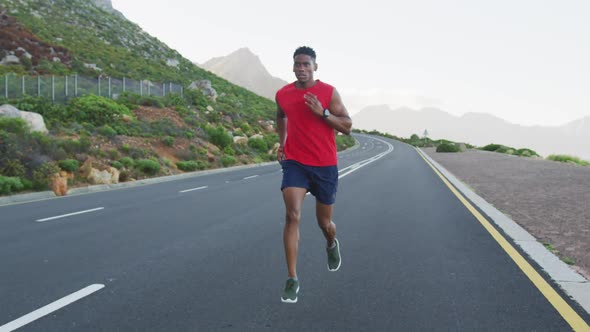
{"type": "Point", "coordinates": [326, 113]}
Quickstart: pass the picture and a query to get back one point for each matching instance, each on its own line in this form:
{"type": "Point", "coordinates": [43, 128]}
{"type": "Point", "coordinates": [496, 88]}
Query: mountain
{"type": "Point", "coordinates": [245, 69]}
{"type": "Point", "coordinates": [477, 128]}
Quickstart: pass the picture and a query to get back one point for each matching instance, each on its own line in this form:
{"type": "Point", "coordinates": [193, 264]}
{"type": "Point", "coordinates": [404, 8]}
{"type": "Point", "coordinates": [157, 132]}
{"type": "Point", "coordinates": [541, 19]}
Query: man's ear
{"type": "Point", "coordinates": [315, 66]}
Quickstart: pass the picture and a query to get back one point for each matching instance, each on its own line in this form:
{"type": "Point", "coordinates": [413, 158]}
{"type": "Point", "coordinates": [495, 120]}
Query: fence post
{"type": "Point", "coordinates": [99, 86]}
{"type": "Point", "coordinates": [181, 91]}
{"type": "Point", "coordinates": [164, 90]}
{"type": "Point", "coordinates": [110, 95]}
{"type": "Point", "coordinates": [141, 88]}
{"type": "Point", "coordinates": [76, 85]}
{"type": "Point", "coordinates": [38, 86]}
{"type": "Point", "coordinates": [6, 86]}
{"type": "Point", "coordinates": [169, 87]}
{"type": "Point", "coordinates": [23, 85]}
{"type": "Point", "coordinates": [149, 88]}
{"type": "Point", "coordinates": [52, 88]}
{"type": "Point", "coordinates": [66, 87]}
{"type": "Point", "coordinates": [123, 84]}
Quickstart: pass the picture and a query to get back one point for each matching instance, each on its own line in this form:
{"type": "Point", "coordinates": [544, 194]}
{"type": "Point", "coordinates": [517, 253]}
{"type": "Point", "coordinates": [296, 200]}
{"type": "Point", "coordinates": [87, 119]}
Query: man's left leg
{"type": "Point", "coordinates": [324, 217]}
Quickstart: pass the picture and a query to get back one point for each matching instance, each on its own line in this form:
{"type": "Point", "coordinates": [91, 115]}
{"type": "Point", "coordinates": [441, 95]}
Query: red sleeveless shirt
{"type": "Point", "coordinates": [310, 140]}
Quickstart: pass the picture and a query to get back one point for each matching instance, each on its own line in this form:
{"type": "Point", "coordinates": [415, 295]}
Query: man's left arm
{"type": "Point", "coordinates": [338, 118]}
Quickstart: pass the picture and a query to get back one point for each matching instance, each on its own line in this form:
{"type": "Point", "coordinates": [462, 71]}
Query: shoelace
{"type": "Point", "coordinates": [291, 284]}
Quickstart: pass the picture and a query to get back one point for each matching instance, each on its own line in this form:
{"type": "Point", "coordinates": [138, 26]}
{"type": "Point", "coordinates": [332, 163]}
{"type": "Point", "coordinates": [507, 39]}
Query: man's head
{"type": "Point", "coordinates": [305, 50]}
{"type": "Point", "coordinates": [304, 64]}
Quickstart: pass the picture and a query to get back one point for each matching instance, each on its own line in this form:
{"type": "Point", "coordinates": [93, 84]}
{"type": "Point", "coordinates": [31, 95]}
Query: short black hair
{"type": "Point", "coordinates": [305, 50]}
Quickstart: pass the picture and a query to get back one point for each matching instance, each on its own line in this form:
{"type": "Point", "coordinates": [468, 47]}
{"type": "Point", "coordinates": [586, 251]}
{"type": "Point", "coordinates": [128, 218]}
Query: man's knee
{"type": "Point", "coordinates": [293, 216]}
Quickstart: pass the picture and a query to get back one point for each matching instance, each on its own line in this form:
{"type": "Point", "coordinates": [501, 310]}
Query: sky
{"type": "Point", "coordinates": [525, 61]}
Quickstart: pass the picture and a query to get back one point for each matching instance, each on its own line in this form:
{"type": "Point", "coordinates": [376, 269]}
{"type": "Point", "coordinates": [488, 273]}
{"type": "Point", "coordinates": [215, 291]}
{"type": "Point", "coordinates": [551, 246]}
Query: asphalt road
{"type": "Point", "coordinates": [205, 254]}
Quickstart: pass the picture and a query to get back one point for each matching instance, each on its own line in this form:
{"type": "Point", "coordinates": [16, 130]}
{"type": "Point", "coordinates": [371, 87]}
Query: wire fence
{"type": "Point", "coordinates": [62, 88]}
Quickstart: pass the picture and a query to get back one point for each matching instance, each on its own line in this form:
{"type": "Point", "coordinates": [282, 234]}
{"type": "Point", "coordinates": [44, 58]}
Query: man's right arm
{"type": "Point", "coordinates": [282, 131]}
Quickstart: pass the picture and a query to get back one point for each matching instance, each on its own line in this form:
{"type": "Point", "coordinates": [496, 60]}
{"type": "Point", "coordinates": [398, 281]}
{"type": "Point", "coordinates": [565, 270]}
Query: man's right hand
{"type": "Point", "coordinates": [280, 154]}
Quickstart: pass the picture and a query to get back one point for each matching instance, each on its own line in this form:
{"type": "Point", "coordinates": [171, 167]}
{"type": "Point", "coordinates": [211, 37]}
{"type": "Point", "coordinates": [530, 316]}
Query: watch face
{"type": "Point", "coordinates": [326, 113]}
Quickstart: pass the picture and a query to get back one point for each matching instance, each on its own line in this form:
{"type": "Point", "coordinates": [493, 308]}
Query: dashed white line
{"type": "Point", "coordinates": [54, 306]}
{"type": "Point", "coordinates": [69, 214]}
{"type": "Point", "coordinates": [193, 189]}
{"type": "Point", "coordinates": [250, 177]}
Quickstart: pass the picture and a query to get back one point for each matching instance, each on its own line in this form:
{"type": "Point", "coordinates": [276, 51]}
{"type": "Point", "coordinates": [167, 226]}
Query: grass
{"type": "Point", "coordinates": [567, 260]}
{"type": "Point", "coordinates": [568, 159]}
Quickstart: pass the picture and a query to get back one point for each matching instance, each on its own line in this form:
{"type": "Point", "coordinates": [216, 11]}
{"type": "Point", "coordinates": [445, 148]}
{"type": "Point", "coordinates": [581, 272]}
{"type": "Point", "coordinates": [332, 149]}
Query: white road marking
{"type": "Point", "coordinates": [360, 164]}
{"type": "Point", "coordinates": [46, 310]}
{"type": "Point", "coordinates": [250, 177]}
{"type": "Point", "coordinates": [193, 189]}
{"type": "Point", "coordinates": [69, 214]}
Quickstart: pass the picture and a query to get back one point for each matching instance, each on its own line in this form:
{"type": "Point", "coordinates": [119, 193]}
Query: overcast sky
{"type": "Point", "coordinates": [526, 61]}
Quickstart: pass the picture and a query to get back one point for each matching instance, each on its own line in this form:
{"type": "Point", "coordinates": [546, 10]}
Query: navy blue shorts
{"type": "Point", "coordinates": [320, 181]}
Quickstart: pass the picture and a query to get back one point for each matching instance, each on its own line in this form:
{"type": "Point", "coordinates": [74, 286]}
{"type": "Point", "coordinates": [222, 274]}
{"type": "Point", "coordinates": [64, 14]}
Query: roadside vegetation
{"type": "Point", "coordinates": [565, 259]}
{"type": "Point", "coordinates": [443, 145]}
{"type": "Point", "coordinates": [568, 159]}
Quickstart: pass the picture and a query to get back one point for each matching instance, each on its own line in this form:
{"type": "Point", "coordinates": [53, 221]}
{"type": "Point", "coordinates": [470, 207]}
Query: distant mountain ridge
{"type": "Point", "coordinates": [477, 128]}
{"type": "Point", "coordinates": [244, 68]}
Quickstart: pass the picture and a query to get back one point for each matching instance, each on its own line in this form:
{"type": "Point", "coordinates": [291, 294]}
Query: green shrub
{"type": "Point", "coordinates": [344, 142]}
{"type": "Point", "coordinates": [13, 168]}
{"type": "Point", "coordinates": [219, 136]}
{"type": "Point", "coordinates": [526, 153]}
{"type": "Point", "coordinates": [258, 144]}
{"type": "Point", "coordinates": [168, 141]}
{"type": "Point", "coordinates": [568, 159]}
{"type": "Point", "coordinates": [42, 173]}
{"type": "Point", "coordinates": [14, 125]}
{"type": "Point", "coordinates": [227, 161]}
{"type": "Point", "coordinates": [96, 110]}
{"type": "Point", "coordinates": [125, 148]}
{"type": "Point", "coordinates": [8, 185]}
{"type": "Point", "coordinates": [113, 154]}
{"type": "Point", "coordinates": [107, 131]}
{"type": "Point", "coordinates": [491, 147]}
{"type": "Point", "coordinates": [447, 147]}
{"type": "Point", "coordinates": [69, 165]}
{"type": "Point", "coordinates": [187, 166]}
{"type": "Point", "coordinates": [148, 166]}
{"type": "Point", "coordinates": [229, 151]}
{"type": "Point", "coordinates": [127, 162]}
{"type": "Point", "coordinates": [117, 164]}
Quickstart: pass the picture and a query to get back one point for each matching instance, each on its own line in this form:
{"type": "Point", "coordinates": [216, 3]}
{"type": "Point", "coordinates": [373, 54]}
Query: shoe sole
{"type": "Point", "coordinates": [339, 263]}
{"type": "Point", "coordinates": [289, 300]}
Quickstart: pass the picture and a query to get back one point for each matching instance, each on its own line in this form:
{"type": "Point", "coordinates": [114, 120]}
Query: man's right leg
{"type": "Point", "coordinates": [293, 197]}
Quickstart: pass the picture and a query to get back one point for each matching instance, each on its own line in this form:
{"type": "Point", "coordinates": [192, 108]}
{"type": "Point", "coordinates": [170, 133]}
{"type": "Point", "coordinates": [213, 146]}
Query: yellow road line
{"type": "Point", "coordinates": [564, 309]}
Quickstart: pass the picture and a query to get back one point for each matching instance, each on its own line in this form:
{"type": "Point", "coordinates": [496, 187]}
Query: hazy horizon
{"type": "Point", "coordinates": [525, 62]}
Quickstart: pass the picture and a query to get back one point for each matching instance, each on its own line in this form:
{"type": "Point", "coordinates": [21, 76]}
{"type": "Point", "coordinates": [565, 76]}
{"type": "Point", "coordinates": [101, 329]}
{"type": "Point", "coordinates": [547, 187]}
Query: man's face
{"type": "Point", "coordinates": [303, 67]}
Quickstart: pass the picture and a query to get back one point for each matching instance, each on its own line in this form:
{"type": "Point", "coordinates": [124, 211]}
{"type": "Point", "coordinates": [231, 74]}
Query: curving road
{"type": "Point", "coordinates": [205, 253]}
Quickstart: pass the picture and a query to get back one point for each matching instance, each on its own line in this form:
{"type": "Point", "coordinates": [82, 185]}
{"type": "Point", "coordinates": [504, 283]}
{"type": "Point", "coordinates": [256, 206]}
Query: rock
{"type": "Point", "coordinates": [34, 120]}
{"type": "Point", "coordinates": [10, 59]}
{"type": "Point", "coordinates": [107, 176]}
{"type": "Point", "coordinates": [210, 108]}
{"type": "Point", "coordinates": [172, 63]}
{"type": "Point", "coordinates": [86, 167]}
{"type": "Point", "coordinates": [210, 157]}
{"type": "Point", "coordinates": [205, 87]}
{"type": "Point", "coordinates": [256, 136]}
{"type": "Point", "coordinates": [59, 184]}
{"type": "Point", "coordinates": [240, 140]}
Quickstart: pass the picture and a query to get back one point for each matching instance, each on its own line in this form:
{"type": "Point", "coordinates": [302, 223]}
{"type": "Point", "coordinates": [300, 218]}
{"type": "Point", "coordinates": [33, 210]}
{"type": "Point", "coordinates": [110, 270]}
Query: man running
{"type": "Point", "coordinates": [308, 113]}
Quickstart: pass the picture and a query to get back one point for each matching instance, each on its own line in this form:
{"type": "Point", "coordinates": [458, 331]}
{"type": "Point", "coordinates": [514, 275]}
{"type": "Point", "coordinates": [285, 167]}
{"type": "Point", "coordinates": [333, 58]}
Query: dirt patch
{"type": "Point", "coordinates": [151, 114]}
{"type": "Point", "coordinates": [551, 200]}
